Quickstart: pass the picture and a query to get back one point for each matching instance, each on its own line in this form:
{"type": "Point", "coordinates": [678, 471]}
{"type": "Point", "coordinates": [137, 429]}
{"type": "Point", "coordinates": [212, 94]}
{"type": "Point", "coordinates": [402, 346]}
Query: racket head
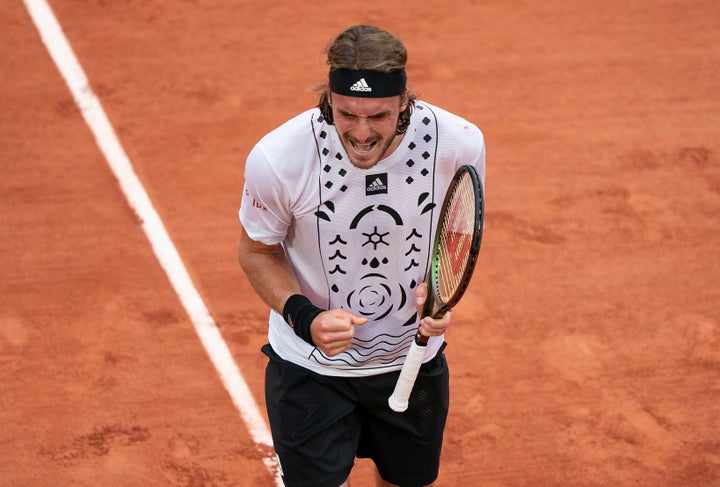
{"type": "Point", "coordinates": [457, 242]}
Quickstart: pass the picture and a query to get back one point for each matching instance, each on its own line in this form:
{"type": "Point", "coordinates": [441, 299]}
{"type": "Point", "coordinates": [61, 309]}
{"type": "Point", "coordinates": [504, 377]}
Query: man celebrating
{"type": "Point", "coordinates": [338, 213]}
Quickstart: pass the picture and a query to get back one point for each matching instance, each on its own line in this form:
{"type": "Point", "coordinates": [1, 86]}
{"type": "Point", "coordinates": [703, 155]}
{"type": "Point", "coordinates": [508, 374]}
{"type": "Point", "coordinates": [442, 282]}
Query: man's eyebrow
{"type": "Point", "coordinates": [380, 114]}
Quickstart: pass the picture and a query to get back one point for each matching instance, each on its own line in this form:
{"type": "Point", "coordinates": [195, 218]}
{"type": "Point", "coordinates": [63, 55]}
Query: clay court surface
{"type": "Point", "coordinates": [588, 350]}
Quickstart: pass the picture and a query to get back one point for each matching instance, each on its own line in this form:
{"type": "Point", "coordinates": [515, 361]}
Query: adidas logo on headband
{"type": "Point", "coordinates": [354, 82]}
{"type": "Point", "coordinates": [361, 86]}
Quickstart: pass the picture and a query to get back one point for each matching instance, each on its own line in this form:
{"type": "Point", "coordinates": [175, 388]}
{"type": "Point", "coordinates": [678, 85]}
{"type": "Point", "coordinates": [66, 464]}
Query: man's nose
{"type": "Point", "coordinates": [362, 130]}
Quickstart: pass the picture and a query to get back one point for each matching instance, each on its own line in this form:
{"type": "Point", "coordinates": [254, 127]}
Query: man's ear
{"type": "Point", "coordinates": [404, 100]}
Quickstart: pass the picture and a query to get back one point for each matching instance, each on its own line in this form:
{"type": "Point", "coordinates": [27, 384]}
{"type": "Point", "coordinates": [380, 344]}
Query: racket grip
{"type": "Point", "coordinates": [398, 401]}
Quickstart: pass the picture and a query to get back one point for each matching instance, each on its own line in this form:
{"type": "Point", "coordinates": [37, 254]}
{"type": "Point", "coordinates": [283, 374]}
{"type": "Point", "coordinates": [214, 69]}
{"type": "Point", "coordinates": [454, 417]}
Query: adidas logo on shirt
{"type": "Point", "coordinates": [376, 184]}
{"type": "Point", "coordinates": [361, 85]}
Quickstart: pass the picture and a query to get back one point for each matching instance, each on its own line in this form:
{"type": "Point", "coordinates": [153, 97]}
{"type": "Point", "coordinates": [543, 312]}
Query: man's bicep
{"type": "Point", "coordinates": [249, 246]}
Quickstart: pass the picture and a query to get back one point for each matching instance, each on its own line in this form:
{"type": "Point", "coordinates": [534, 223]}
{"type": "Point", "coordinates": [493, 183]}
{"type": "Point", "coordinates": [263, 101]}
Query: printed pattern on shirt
{"type": "Point", "coordinates": [374, 231]}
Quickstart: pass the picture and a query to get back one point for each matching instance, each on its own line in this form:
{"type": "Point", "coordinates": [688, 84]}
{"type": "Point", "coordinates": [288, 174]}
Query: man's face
{"type": "Point", "coordinates": [367, 126]}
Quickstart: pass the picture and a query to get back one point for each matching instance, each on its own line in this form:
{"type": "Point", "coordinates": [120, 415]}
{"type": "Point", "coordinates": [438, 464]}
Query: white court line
{"type": "Point", "coordinates": [206, 328]}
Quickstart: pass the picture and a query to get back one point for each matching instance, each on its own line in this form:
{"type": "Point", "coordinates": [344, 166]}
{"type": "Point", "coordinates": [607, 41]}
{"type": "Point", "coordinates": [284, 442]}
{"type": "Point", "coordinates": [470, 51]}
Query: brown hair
{"type": "Point", "coordinates": [366, 47]}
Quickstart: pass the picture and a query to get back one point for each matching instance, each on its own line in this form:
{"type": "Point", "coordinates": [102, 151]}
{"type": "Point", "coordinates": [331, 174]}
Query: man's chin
{"type": "Point", "coordinates": [363, 162]}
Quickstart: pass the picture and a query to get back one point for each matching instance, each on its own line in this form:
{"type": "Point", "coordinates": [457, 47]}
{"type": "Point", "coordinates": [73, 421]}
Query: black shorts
{"type": "Point", "coordinates": [320, 424]}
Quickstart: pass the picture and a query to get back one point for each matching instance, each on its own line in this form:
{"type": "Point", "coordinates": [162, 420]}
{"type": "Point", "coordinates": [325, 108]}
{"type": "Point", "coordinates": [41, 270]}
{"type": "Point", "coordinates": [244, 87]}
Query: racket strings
{"type": "Point", "coordinates": [456, 235]}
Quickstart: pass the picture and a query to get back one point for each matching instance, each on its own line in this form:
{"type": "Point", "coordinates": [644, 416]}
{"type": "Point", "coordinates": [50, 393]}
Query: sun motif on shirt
{"type": "Point", "coordinates": [375, 238]}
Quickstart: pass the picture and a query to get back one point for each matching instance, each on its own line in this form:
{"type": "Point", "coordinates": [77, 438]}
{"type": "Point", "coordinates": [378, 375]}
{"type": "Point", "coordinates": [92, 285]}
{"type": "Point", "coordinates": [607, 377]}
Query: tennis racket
{"type": "Point", "coordinates": [454, 253]}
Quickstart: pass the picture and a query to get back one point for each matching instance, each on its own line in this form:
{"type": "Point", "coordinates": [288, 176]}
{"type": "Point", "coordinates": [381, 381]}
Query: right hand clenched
{"type": "Point", "coordinates": [333, 330]}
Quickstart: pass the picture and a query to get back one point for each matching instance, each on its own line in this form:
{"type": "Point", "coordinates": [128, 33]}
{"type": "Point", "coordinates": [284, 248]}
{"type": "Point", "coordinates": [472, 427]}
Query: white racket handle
{"type": "Point", "coordinates": [399, 399]}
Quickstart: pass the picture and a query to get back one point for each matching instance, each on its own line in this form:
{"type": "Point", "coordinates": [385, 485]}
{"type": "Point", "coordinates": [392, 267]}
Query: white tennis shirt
{"type": "Point", "coordinates": [357, 239]}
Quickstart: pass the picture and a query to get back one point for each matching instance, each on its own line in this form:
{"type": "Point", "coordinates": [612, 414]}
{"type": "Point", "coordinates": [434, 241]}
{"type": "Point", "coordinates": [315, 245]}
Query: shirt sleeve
{"type": "Point", "coordinates": [265, 208]}
{"type": "Point", "coordinates": [468, 144]}
{"type": "Point", "coordinates": [476, 151]}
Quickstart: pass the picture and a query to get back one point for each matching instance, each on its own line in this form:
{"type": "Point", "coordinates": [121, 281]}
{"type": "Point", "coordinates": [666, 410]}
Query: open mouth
{"type": "Point", "coordinates": [363, 149]}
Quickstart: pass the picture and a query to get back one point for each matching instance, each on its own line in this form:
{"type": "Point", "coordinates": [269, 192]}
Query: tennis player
{"type": "Point", "coordinates": [338, 212]}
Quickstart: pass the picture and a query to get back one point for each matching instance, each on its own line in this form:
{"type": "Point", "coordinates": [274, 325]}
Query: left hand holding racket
{"type": "Point", "coordinates": [454, 254]}
{"type": "Point", "coordinates": [429, 326]}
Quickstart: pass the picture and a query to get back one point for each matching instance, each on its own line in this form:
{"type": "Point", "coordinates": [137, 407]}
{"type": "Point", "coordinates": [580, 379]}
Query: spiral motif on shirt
{"type": "Point", "coordinates": [373, 297]}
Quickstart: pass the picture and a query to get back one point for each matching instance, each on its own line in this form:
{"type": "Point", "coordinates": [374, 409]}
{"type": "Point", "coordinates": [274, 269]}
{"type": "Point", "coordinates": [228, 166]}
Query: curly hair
{"type": "Point", "coordinates": [371, 48]}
